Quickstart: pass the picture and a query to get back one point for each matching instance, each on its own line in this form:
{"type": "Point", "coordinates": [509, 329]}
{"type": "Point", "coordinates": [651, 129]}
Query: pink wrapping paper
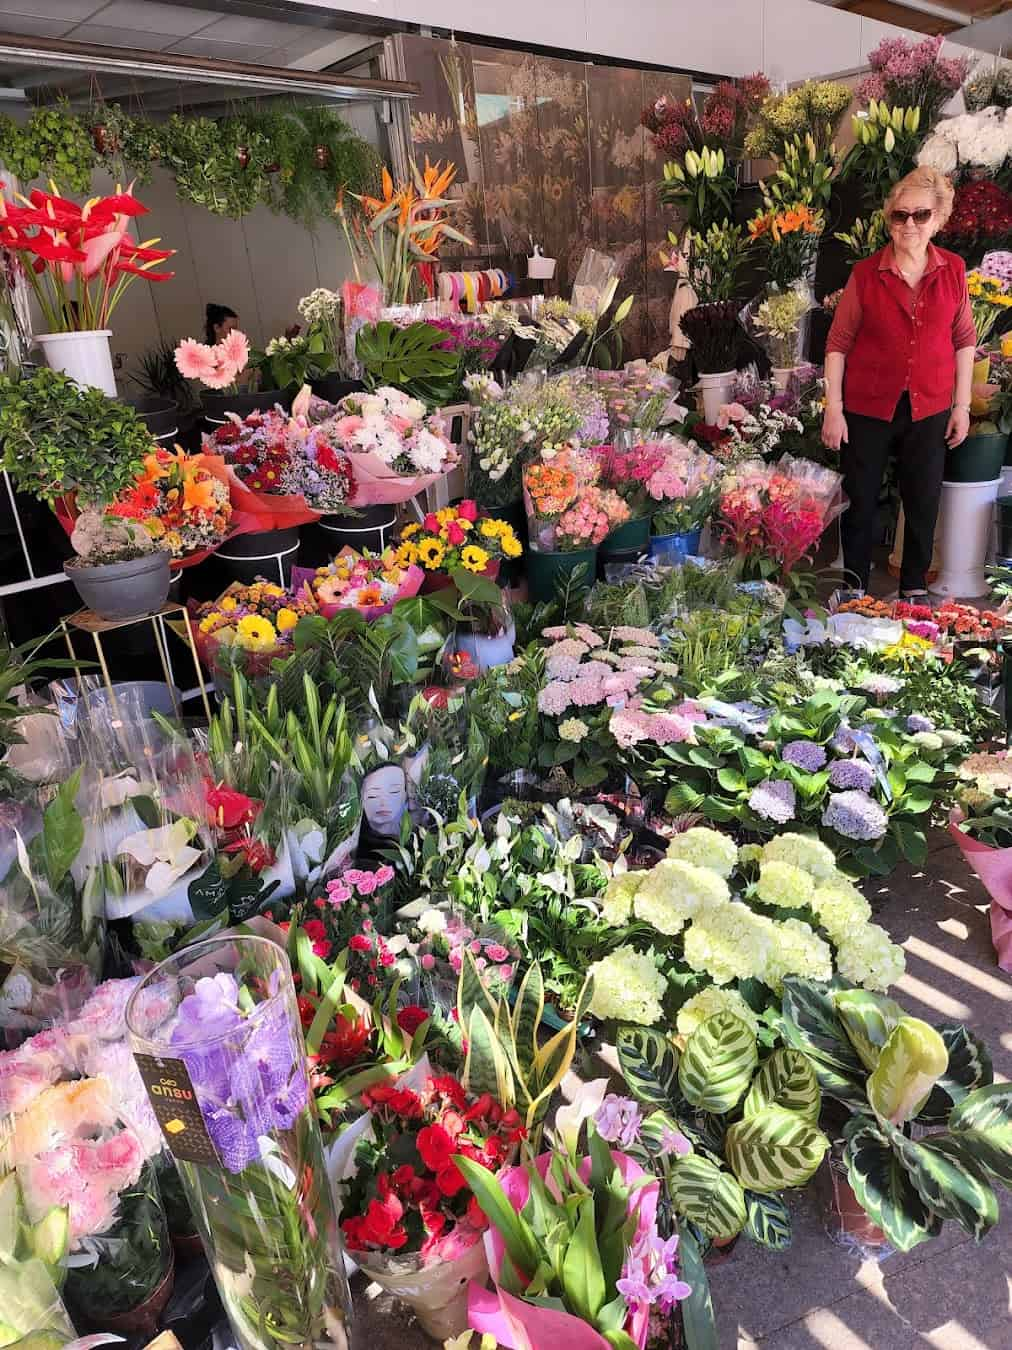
{"type": "Point", "coordinates": [994, 868]}
{"type": "Point", "coordinates": [377, 485]}
{"type": "Point", "coordinates": [409, 587]}
{"type": "Point", "coordinates": [524, 1326]}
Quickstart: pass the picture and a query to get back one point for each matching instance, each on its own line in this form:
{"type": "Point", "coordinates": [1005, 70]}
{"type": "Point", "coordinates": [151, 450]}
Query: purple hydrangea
{"type": "Point", "coordinates": [852, 773]}
{"type": "Point", "coordinates": [619, 1120]}
{"type": "Point", "coordinates": [855, 815]}
{"type": "Point", "coordinates": [918, 722]}
{"type": "Point", "coordinates": [805, 755]}
{"type": "Point", "coordinates": [773, 800]}
{"type": "Point", "coordinates": [843, 742]}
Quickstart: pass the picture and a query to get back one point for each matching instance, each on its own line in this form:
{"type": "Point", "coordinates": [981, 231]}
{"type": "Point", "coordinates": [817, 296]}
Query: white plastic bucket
{"type": "Point", "coordinates": [85, 357]}
{"type": "Point", "coordinates": [967, 511]}
{"type": "Point", "coordinates": [715, 390]}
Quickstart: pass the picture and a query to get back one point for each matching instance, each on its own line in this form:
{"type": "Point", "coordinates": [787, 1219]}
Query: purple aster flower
{"type": "Point", "coordinates": [852, 773]}
{"type": "Point", "coordinates": [855, 815]}
{"type": "Point", "coordinates": [918, 722]}
{"type": "Point", "coordinates": [773, 800]}
{"type": "Point", "coordinates": [619, 1120]}
{"type": "Point", "coordinates": [805, 755]}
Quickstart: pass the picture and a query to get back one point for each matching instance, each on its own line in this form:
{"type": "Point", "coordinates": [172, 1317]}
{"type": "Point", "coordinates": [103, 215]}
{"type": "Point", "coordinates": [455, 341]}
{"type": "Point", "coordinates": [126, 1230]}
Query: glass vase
{"type": "Point", "coordinates": [216, 1034]}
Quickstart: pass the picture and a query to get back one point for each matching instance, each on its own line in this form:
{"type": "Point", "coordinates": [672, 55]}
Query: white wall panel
{"type": "Point", "coordinates": [802, 41]}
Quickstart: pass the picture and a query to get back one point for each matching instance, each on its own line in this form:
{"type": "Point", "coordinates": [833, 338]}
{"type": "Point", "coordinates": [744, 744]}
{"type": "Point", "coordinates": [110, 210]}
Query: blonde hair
{"type": "Point", "coordinates": [924, 179]}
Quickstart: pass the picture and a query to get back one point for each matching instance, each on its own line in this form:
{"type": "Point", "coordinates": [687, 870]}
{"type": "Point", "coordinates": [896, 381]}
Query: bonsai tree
{"type": "Point", "coordinates": [60, 438]}
{"type": "Point", "coordinates": [894, 1072]}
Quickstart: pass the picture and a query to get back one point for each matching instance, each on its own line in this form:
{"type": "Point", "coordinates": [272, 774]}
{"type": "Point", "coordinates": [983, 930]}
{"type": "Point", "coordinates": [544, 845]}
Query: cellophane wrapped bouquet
{"type": "Point", "coordinates": [370, 584]}
{"type": "Point", "coordinates": [638, 399]}
{"type": "Point", "coordinates": [396, 448]}
{"type": "Point", "coordinates": [248, 626]}
{"type": "Point", "coordinates": [179, 502]}
{"type": "Point", "coordinates": [566, 508]}
{"type": "Point", "coordinates": [683, 488]}
{"type": "Point", "coordinates": [778, 512]}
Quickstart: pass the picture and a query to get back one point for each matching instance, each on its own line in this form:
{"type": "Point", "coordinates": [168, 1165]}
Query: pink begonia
{"type": "Point", "coordinates": [476, 947]}
{"type": "Point", "coordinates": [367, 883]}
{"type": "Point", "coordinates": [730, 412]}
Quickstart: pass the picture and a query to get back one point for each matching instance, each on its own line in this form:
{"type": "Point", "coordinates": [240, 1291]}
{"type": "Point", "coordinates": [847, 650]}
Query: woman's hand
{"type": "Point", "coordinates": [834, 428]}
{"type": "Point", "coordinates": [959, 426]}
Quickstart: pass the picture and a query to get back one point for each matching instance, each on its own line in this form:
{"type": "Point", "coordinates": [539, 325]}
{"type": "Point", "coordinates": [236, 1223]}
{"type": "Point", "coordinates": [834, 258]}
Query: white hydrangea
{"type": "Point", "coordinates": [627, 986]}
{"type": "Point", "coordinates": [674, 892]}
{"type": "Point", "coordinates": [705, 848]}
{"type": "Point", "coordinates": [710, 1001]}
{"type": "Point", "coordinates": [432, 921]}
{"type": "Point", "coordinates": [617, 901]}
{"type": "Point", "coordinates": [797, 950]}
{"type": "Point", "coordinates": [784, 885]}
{"type": "Point", "coordinates": [867, 957]}
{"type": "Point", "coordinates": [801, 850]}
{"type": "Point", "coordinates": [841, 908]}
{"type": "Point", "coordinates": [729, 942]}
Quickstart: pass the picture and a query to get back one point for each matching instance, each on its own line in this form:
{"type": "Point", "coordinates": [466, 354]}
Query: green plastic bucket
{"type": "Point", "coordinates": [978, 460]}
{"type": "Point", "coordinates": [547, 571]}
{"type": "Point", "coordinates": [633, 534]}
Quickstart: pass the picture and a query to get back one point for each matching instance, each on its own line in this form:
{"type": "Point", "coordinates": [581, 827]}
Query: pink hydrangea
{"type": "Point", "coordinates": [554, 698]}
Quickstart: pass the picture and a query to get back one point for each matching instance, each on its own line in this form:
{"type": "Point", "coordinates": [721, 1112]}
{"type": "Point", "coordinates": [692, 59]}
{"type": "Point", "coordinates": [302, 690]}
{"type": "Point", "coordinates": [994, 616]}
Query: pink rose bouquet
{"type": "Point", "coordinates": [683, 488]}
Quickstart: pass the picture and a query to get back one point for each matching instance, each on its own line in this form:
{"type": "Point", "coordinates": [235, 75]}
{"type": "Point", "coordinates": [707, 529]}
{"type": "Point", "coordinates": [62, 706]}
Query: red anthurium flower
{"type": "Point", "coordinates": [229, 809]}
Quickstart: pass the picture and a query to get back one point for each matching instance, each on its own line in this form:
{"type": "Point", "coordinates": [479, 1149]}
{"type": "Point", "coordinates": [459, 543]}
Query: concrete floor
{"type": "Point", "coordinates": [948, 1293]}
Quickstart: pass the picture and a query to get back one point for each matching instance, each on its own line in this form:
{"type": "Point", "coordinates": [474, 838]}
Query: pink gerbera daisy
{"type": "Point", "coordinates": [235, 350]}
{"type": "Point", "coordinates": [194, 360]}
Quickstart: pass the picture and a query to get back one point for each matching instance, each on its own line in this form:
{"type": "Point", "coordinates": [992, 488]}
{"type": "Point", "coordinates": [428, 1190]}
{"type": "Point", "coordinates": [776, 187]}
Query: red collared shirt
{"type": "Point", "coordinates": [899, 337]}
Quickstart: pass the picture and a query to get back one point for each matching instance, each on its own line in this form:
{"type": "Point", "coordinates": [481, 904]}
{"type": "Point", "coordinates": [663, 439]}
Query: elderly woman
{"type": "Point", "coordinates": [899, 361]}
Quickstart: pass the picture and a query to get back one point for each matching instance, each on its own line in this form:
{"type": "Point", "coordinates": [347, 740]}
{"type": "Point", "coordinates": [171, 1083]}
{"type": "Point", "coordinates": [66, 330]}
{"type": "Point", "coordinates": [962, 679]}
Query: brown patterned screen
{"type": "Point", "coordinates": [549, 149]}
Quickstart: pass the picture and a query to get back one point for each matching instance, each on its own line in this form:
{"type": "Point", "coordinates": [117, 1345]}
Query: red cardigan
{"type": "Point", "coordinates": [897, 338]}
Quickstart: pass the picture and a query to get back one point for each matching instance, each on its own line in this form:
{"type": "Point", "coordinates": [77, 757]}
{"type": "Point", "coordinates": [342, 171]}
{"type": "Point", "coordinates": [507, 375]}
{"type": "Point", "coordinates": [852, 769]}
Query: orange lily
{"type": "Point", "coordinates": [198, 494]}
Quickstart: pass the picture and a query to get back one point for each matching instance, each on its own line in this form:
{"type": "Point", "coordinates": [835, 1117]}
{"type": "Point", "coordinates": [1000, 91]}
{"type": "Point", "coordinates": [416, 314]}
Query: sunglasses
{"type": "Point", "coordinates": [920, 217]}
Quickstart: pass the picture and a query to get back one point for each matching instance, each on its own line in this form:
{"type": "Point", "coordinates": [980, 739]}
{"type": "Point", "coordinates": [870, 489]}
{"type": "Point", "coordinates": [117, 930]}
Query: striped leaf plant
{"type": "Point", "coordinates": [899, 1078]}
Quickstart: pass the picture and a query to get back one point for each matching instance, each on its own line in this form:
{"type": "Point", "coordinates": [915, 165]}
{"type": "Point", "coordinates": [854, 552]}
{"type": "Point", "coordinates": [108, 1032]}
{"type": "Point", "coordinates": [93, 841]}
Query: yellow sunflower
{"type": "Point", "coordinates": [475, 559]}
{"type": "Point", "coordinates": [511, 545]}
{"type": "Point", "coordinates": [410, 529]}
{"type": "Point", "coordinates": [286, 618]}
{"type": "Point", "coordinates": [406, 555]}
{"type": "Point", "coordinates": [431, 553]}
{"type": "Point", "coordinates": [492, 529]}
{"type": "Point", "coordinates": [256, 634]}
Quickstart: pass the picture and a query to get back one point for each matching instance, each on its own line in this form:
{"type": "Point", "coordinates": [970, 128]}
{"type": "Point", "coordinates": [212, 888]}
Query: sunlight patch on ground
{"type": "Point", "coordinates": [932, 998]}
{"type": "Point", "coordinates": [961, 970]}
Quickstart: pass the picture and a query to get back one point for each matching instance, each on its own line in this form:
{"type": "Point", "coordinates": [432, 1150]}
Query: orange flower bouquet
{"type": "Point", "coordinates": [787, 238]}
{"type": "Point", "coordinates": [566, 509]}
{"type": "Point", "coordinates": [180, 503]}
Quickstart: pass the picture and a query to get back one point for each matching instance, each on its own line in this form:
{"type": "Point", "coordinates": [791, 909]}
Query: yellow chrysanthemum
{"type": "Point", "coordinates": [410, 529]}
{"type": "Point", "coordinates": [431, 553]}
{"type": "Point", "coordinates": [256, 633]}
{"type": "Point", "coordinates": [475, 559]}
{"type": "Point", "coordinates": [406, 555]}
{"type": "Point", "coordinates": [207, 624]}
{"type": "Point", "coordinates": [286, 618]}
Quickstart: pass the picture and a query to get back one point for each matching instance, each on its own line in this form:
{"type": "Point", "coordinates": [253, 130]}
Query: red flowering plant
{"type": "Point", "coordinates": [773, 515]}
{"type": "Point", "coordinates": [981, 219]}
{"type": "Point", "coordinates": [407, 1197]}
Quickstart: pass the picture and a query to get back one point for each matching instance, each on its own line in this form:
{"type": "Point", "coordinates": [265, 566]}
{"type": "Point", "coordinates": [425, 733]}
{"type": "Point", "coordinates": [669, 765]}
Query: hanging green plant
{"type": "Point", "coordinates": [53, 143]}
{"type": "Point", "coordinates": [126, 146]}
{"type": "Point", "coordinates": [217, 165]}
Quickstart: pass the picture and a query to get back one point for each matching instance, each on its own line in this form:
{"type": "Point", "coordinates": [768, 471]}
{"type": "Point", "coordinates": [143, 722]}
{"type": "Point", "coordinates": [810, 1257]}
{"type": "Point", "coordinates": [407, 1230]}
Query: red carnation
{"type": "Point", "coordinates": [360, 943]}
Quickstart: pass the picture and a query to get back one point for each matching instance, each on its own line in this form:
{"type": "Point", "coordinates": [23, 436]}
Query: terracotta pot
{"type": "Point", "coordinates": [721, 1250]}
{"type": "Point", "coordinates": [845, 1219]}
{"type": "Point", "coordinates": [142, 1321]}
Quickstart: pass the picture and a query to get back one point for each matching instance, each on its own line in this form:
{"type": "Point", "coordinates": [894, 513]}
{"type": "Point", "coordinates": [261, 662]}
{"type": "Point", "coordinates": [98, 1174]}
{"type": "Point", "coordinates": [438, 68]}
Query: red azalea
{"type": "Point", "coordinates": [409, 1019]}
{"type": "Point", "coordinates": [468, 510]}
{"type": "Point", "coordinates": [404, 1175]}
{"type": "Point", "coordinates": [452, 1122]}
{"type": "Point", "coordinates": [436, 1147]}
{"type": "Point", "coordinates": [433, 1220]}
{"type": "Point", "coordinates": [406, 1104]}
{"type": "Point", "coordinates": [486, 1107]}
{"type": "Point", "coordinates": [475, 1215]}
{"type": "Point", "coordinates": [382, 1222]}
{"type": "Point", "coordinates": [228, 808]}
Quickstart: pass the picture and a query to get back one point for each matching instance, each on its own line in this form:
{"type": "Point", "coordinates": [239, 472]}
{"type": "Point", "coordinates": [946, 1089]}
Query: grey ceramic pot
{"type": "Point", "coordinates": [123, 590]}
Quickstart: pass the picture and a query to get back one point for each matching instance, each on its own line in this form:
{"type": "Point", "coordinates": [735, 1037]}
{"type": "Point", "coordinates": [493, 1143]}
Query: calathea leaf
{"type": "Point", "coordinates": [911, 1061]}
{"type": "Point", "coordinates": [867, 1019]}
{"type": "Point", "coordinates": [969, 1068]}
{"type": "Point", "coordinates": [810, 1024]}
{"type": "Point", "coordinates": [788, 1080]}
{"type": "Point", "coordinates": [883, 1189]}
{"type": "Point", "coordinates": [774, 1149]}
{"type": "Point", "coordinates": [769, 1221]}
{"type": "Point", "coordinates": [698, 1321]}
{"type": "Point", "coordinates": [983, 1120]}
{"type": "Point", "coordinates": [649, 1064]}
{"type": "Point", "coordinates": [948, 1180]}
{"type": "Point", "coordinates": [718, 1063]}
{"type": "Point", "coordinates": [708, 1197]}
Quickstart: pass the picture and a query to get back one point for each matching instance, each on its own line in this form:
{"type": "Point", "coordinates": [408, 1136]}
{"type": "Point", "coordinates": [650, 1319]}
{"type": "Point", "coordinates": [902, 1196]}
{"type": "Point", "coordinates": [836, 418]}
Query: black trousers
{"type": "Point", "coordinates": [919, 448]}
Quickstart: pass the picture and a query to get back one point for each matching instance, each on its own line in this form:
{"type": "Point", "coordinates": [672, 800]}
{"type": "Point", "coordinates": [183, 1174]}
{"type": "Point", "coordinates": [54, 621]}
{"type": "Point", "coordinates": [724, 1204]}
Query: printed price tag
{"type": "Point", "coordinates": [174, 1103]}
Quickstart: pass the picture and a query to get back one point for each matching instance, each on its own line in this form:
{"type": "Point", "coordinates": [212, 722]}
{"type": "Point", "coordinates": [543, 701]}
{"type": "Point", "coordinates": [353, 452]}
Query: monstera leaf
{"type": "Point", "coordinates": [409, 359]}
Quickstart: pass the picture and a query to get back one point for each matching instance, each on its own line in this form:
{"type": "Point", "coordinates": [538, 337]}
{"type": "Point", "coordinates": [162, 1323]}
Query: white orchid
{"type": "Point", "coordinates": [165, 851]}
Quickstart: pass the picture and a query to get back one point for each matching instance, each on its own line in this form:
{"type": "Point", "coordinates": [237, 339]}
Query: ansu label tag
{"type": "Point", "coordinates": [174, 1103]}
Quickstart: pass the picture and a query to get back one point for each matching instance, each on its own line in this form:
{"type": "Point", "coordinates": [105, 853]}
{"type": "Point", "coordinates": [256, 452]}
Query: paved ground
{"type": "Point", "coordinates": [949, 1293]}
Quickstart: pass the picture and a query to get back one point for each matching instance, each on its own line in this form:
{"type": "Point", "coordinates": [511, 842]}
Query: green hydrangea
{"type": "Point", "coordinates": [710, 1001]}
{"type": "Point", "coordinates": [784, 885]}
{"type": "Point", "coordinates": [705, 848]}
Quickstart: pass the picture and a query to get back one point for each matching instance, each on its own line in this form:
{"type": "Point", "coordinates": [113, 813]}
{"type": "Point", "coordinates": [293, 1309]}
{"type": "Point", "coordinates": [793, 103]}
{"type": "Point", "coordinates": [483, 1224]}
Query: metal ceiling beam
{"type": "Point", "coordinates": [61, 54]}
{"type": "Point", "coordinates": [928, 7]}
